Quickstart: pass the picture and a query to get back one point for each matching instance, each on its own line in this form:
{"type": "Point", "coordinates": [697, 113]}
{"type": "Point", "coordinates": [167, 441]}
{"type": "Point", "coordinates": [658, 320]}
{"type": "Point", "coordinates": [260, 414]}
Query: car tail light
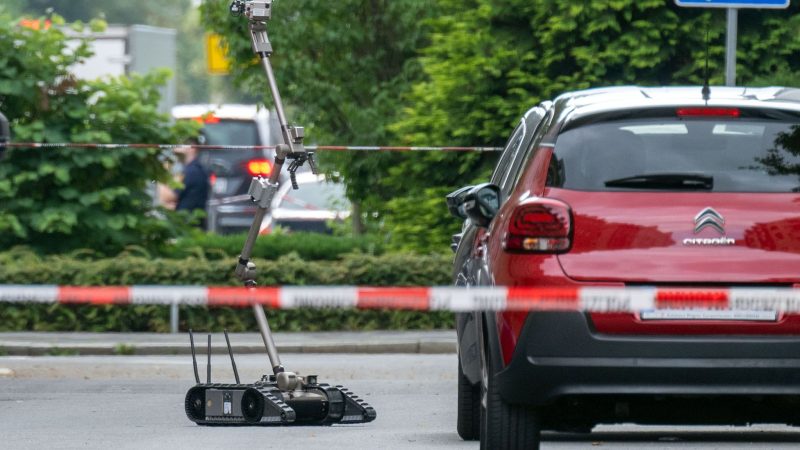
{"type": "Point", "coordinates": [540, 226]}
{"type": "Point", "coordinates": [259, 167]}
{"type": "Point", "coordinates": [36, 24]}
{"type": "Point", "coordinates": [208, 118]}
{"type": "Point", "coordinates": [212, 179]}
{"type": "Point", "coordinates": [708, 112]}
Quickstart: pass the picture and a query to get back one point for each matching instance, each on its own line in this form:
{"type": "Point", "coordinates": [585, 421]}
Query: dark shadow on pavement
{"type": "Point", "coordinates": [734, 435]}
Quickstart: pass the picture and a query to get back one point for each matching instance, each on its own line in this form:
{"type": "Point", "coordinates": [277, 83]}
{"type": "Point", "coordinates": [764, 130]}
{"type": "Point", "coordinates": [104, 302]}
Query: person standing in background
{"type": "Point", "coordinates": [194, 177]}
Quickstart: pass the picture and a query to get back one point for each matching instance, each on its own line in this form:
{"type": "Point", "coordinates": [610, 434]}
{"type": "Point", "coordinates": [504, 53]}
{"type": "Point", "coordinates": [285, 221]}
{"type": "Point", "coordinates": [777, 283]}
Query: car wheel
{"type": "Point", "coordinates": [469, 407]}
{"type": "Point", "coordinates": [504, 425]}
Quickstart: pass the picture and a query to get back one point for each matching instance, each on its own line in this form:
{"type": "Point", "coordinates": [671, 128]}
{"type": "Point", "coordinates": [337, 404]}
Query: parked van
{"type": "Point", "coordinates": [231, 170]}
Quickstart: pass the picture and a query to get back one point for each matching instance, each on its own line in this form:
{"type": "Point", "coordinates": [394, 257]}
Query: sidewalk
{"type": "Point", "coordinates": [40, 343]}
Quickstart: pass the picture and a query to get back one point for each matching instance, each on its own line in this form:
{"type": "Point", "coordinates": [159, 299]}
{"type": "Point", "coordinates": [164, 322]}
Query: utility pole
{"type": "Point", "coordinates": [730, 47]}
{"type": "Point", "coordinates": [733, 6]}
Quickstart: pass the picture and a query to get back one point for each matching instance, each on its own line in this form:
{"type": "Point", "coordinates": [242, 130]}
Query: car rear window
{"type": "Point", "coordinates": [230, 162]}
{"type": "Point", "coordinates": [231, 132]}
{"type": "Point", "coordinates": [321, 195]}
{"type": "Point", "coordinates": [739, 155]}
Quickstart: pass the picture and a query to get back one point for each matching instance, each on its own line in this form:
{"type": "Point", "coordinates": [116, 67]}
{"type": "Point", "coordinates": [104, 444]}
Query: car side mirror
{"type": "Point", "coordinates": [481, 203]}
{"type": "Point", "coordinates": [455, 202]}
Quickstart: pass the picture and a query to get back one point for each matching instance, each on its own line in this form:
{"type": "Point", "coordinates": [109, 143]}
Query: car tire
{"type": "Point", "coordinates": [504, 425]}
{"type": "Point", "coordinates": [469, 408]}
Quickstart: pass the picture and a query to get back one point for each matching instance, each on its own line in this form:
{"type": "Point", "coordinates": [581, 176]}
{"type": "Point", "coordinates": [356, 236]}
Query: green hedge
{"type": "Point", "coordinates": [22, 267]}
{"type": "Point", "coordinates": [311, 246]}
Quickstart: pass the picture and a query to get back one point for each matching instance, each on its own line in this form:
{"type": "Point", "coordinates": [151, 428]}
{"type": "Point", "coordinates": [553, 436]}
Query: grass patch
{"type": "Point", "coordinates": [124, 349]}
{"type": "Point", "coordinates": [59, 351]}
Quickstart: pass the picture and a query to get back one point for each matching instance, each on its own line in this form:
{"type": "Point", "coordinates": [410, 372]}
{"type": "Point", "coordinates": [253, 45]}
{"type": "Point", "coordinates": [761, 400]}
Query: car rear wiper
{"type": "Point", "coordinates": [667, 181]}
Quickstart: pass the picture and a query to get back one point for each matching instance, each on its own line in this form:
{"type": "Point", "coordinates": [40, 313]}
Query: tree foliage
{"type": "Point", "coordinates": [475, 66]}
{"type": "Point", "coordinates": [491, 60]}
{"type": "Point", "coordinates": [22, 266]}
{"type": "Point", "coordinates": [343, 66]}
{"type": "Point", "coordinates": [57, 200]}
{"type": "Point", "coordinates": [163, 13]}
{"type": "Point", "coordinates": [193, 84]}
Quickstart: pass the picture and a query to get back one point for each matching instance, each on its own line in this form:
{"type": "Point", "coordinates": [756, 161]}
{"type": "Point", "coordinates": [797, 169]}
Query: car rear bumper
{"type": "Point", "coordinates": [230, 217]}
{"type": "Point", "coordinates": [558, 356]}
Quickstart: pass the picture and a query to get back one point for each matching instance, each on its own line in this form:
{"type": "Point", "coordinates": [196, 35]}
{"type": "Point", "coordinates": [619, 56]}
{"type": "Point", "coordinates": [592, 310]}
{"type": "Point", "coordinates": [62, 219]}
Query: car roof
{"type": "Point", "coordinates": [591, 101]}
{"type": "Point", "coordinates": [574, 107]}
{"type": "Point", "coordinates": [224, 111]}
{"type": "Point", "coordinates": [680, 94]}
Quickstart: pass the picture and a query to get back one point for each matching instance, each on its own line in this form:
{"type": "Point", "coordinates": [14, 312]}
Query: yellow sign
{"type": "Point", "coordinates": [217, 61]}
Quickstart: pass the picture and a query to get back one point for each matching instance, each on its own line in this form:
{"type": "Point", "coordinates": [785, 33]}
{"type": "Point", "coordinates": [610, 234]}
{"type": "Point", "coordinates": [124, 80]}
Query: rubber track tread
{"type": "Point", "coordinates": [189, 410]}
{"type": "Point", "coordinates": [368, 413]}
{"type": "Point", "coordinates": [285, 412]}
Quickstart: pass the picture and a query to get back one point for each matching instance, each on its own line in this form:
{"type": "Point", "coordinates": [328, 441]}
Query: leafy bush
{"type": "Point", "coordinates": [310, 246]}
{"type": "Point", "coordinates": [63, 199]}
{"type": "Point", "coordinates": [349, 79]}
{"type": "Point", "coordinates": [471, 68]}
{"type": "Point", "coordinates": [155, 318]}
{"type": "Point", "coordinates": [24, 267]}
{"type": "Point", "coordinates": [489, 61]}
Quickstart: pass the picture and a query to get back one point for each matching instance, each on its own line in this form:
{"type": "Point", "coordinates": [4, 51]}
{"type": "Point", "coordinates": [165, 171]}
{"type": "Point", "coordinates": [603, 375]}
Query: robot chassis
{"type": "Point", "coordinates": [282, 398]}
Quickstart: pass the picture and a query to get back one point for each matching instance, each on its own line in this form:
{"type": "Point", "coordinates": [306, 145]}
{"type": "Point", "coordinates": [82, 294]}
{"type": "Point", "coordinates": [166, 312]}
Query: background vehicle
{"type": "Point", "coordinates": [625, 187]}
{"type": "Point", "coordinates": [310, 208]}
{"type": "Point", "coordinates": [231, 169]}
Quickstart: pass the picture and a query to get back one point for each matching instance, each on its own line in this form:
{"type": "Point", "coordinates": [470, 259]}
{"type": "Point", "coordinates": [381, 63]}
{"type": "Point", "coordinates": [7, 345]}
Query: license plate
{"type": "Point", "coordinates": [692, 314]}
{"type": "Point", "coordinates": [221, 186]}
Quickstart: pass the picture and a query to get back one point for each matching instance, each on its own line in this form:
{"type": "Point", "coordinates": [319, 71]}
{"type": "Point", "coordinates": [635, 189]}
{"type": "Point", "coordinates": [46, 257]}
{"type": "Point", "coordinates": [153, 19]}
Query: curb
{"type": "Point", "coordinates": [139, 349]}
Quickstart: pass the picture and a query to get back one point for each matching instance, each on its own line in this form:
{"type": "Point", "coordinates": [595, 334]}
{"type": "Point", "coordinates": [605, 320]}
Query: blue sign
{"type": "Point", "coordinates": [774, 4]}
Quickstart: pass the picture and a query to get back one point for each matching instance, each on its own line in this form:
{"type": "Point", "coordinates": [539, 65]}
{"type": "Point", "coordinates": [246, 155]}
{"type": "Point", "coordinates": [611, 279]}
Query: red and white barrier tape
{"type": "Point", "coordinates": [313, 148]}
{"type": "Point", "coordinates": [596, 299]}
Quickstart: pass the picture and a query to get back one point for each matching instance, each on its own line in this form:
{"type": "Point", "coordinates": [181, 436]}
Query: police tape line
{"type": "Point", "coordinates": [593, 299]}
{"type": "Point", "coordinates": [313, 148]}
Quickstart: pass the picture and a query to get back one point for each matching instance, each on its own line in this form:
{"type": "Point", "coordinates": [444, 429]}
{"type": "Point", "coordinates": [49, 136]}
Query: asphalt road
{"type": "Point", "coordinates": [137, 402]}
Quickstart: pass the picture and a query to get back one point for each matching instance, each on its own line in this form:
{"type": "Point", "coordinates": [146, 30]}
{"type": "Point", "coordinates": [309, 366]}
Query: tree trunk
{"type": "Point", "coordinates": [358, 223]}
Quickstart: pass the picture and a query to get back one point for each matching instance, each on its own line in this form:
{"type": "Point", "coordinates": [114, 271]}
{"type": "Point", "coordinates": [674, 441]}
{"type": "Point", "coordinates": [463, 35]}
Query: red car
{"type": "Point", "coordinates": [625, 187]}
